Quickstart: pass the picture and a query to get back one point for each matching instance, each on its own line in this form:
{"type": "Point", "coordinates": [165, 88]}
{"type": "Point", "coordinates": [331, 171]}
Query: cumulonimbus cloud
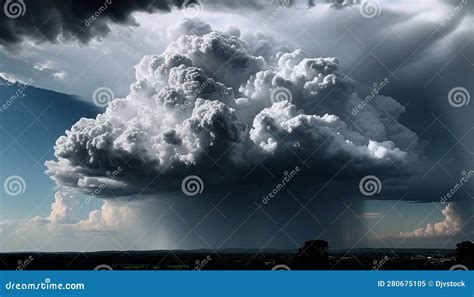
{"type": "Point", "coordinates": [450, 226]}
{"type": "Point", "coordinates": [210, 98]}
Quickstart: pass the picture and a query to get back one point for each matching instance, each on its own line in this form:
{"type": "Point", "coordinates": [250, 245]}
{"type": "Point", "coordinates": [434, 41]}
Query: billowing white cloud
{"type": "Point", "coordinates": [63, 222]}
{"type": "Point", "coordinates": [283, 121]}
{"type": "Point", "coordinates": [110, 217]}
{"type": "Point", "coordinates": [450, 226]}
{"type": "Point", "coordinates": [211, 96]}
{"type": "Point", "coordinates": [62, 208]}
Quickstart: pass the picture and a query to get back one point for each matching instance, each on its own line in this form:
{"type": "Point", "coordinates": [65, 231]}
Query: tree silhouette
{"type": "Point", "coordinates": [465, 253]}
{"type": "Point", "coordinates": [314, 254]}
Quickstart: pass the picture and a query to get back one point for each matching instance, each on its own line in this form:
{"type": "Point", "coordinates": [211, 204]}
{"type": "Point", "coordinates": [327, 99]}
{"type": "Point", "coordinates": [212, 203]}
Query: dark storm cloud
{"type": "Point", "coordinates": [54, 20]}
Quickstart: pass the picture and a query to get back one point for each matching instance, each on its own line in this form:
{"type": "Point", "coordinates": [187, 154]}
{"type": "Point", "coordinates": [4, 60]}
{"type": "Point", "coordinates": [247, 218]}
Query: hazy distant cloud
{"type": "Point", "coordinates": [450, 226]}
{"type": "Point", "coordinates": [208, 97]}
{"type": "Point", "coordinates": [63, 230]}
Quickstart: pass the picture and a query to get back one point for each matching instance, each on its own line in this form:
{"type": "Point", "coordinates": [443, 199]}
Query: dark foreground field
{"type": "Point", "coordinates": [363, 259]}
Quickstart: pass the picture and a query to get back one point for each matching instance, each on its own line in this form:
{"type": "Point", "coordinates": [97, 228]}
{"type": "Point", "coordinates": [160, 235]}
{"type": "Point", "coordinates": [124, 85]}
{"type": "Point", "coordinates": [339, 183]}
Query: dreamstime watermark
{"type": "Point", "coordinates": [288, 176]}
{"type": "Point", "coordinates": [466, 176]}
{"type": "Point", "coordinates": [459, 267]}
{"type": "Point", "coordinates": [453, 12]}
{"type": "Point", "coordinates": [459, 97]}
{"type": "Point", "coordinates": [370, 8]}
{"type": "Point", "coordinates": [44, 285]}
{"type": "Point", "coordinates": [14, 185]}
{"type": "Point", "coordinates": [281, 267]}
{"type": "Point", "coordinates": [97, 13]}
{"type": "Point", "coordinates": [14, 8]}
{"type": "Point", "coordinates": [192, 185]}
{"type": "Point", "coordinates": [376, 89]}
{"type": "Point", "coordinates": [281, 94]}
{"type": "Point", "coordinates": [102, 96]}
{"type": "Point", "coordinates": [18, 93]}
{"type": "Point", "coordinates": [201, 264]}
{"type": "Point", "coordinates": [103, 267]}
{"type": "Point", "coordinates": [111, 176]}
{"type": "Point", "coordinates": [23, 264]}
{"type": "Point", "coordinates": [283, 5]}
{"type": "Point", "coordinates": [192, 8]}
{"type": "Point", "coordinates": [370, 185]}
{"type": "Point", "coordinates": [378, 264]}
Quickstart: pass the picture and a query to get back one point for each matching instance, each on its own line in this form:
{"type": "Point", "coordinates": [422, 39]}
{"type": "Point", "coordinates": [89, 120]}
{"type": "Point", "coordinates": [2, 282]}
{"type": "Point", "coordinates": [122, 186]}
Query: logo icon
{"type": "Point", "coordinates": [370, 185]}
{"type": "Point", "coordinates": [192, 8]}
{"type": "Point", "coordinates": [14, 185]}
{"type": "Point", "coordinates": [458, 267]}
{"type": "Point", "coordinates": [459, 97]}
{"type": "Point", "coordinates": [370, 9]}
{"type": "Point", "coordinates": [102, 96]}
{"type": "Point", "coordinates": [192, 185]}
{"type": "Point", "coordinates": [103, 267]}
{"type": "Point", "coordinates": [281, 267]}
{"type": "Point", "coordinates": [281, 94]}
{"type": "Point", "coordinates": [14, 8]}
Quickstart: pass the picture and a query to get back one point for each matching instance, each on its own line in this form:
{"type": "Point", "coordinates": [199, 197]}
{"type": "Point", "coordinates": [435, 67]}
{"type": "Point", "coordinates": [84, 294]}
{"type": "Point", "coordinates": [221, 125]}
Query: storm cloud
{"type": "Point", "coordinates": [209, 99]}
{"type": "Point", "coordinates": [55, 21]}
{"type": "Point", "coordinates": [60, 21]}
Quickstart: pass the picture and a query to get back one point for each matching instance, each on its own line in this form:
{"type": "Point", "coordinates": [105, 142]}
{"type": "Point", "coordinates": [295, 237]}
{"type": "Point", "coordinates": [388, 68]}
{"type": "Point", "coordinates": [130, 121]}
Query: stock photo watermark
{"type": "Point", "coordinates": [103, 267]}
{"type": "Point", "coordinates": [111, 176]}
{"type": "Point", "coordinates": [281, 267]}
{"type": "Point", "coordinates": [18, 94]}
{"type": "Point", "coordinates": [14, 185]}
{"type": "Point", "coordinates": [23, 264]}
{"type": "Point", "coordinates": [287, 177]}
{"type": "Point", "coordinates": [377, 87]}
{"type": "Point", "coordinates": [465, 177]}
{"type": "Point", "coordinates": [281, 94]}
{"type": "Point", "coordinates": [14, 8]}
{"type": "Point", "coordinates": [370, 185]}
{"type": "Point", "coordinates": [459, 267]}
{"type": "Point", "coordinates": [283, 5]}
{"type": "Point", "coordinates": [201, 264]}
{"type": "Point", "coordinates": [192, 185]}
{"type": "Point", "coordinates": [192, 9]}
{"type": "Point", "coordinates": [46, 285]}
{"type": "Point", "coordinates": [370, 8]}
{"type": "Point", "coordinates": [459, 97]}
{"type": "Point", "coordinates": [97, 13]}
{"type": "Point", "coordinates": [378, 264]}
{"type": "Point", "coordinates": [102, 96]}
{"type": "Point", "coordinates": [455, 11]}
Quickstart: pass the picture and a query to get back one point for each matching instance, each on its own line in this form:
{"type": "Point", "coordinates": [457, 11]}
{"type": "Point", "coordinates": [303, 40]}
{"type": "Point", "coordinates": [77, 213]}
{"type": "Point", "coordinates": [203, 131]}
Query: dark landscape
{"type": "Point", "coordinates": [314, 255]}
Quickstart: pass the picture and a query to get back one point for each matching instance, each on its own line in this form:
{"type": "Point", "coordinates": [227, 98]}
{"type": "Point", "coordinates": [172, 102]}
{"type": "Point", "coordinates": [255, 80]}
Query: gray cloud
{"type": "Point", "coordinates": [55, 21]}
{"type": "Point", "coordinates": [207, 98]}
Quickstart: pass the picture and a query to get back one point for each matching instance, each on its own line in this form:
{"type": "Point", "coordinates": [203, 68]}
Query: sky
{"type": "Point", "coordinates": [220, 124]}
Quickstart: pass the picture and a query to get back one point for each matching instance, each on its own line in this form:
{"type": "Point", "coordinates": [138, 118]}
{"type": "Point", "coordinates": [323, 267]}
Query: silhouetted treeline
{"type": "Point", "coordinates": [312, 255]}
